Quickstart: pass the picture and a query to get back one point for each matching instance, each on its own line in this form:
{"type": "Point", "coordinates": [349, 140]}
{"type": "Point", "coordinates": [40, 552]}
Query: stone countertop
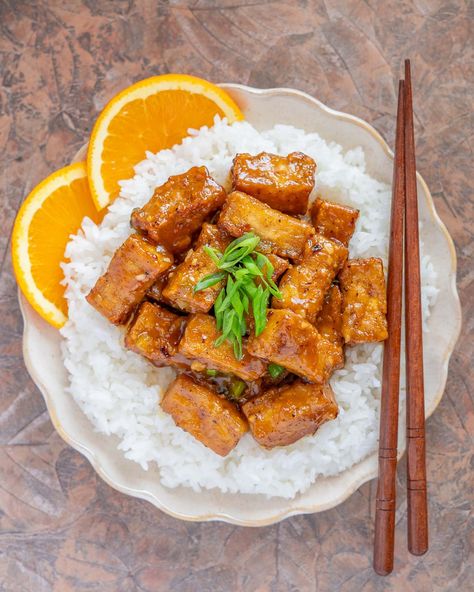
{"type": "Point", "coordinates": [62, 528]}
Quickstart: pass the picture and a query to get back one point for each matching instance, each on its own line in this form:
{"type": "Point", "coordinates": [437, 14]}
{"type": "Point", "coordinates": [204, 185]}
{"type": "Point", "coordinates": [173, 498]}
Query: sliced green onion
{"type": "Point", "coordinates": [265, 265]}
{"type": "Point", "coordinates": [275, 370]}
{"type": "Point", "coordinates": [240, 265]}
{"type": "Point", "coordinates": [251, 266]}
{"type": "Point", "coordinates": [209, 280]}
{"type": "Point", "coordinates": [211, 372]}
{"type": "Point", "coordinates": [213, 254]}
{"type": "Point", "coordinates": [236, 389]}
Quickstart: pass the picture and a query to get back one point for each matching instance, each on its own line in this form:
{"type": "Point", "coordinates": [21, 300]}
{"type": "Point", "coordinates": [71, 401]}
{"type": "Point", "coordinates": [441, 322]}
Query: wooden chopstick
{"type": "Point", "coordinates": [415, 419]}
{"type": "Point", "coordinates": [386, 490]}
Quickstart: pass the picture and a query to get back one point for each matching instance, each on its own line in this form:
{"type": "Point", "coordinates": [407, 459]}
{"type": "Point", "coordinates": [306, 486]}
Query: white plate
{"type": "Point", "coordinates": [41, 343]}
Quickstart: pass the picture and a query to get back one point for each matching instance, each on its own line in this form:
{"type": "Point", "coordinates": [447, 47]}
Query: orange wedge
{"type": "Point", "coordinates": [153, 114]}
{"type": "Point", "coordinates": [50, 214]}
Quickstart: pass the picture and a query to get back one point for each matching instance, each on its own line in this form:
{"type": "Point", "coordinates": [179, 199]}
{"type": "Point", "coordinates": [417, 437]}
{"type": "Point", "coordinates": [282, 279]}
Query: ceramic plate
{"type": "Point", "coordinates": [41, 343]}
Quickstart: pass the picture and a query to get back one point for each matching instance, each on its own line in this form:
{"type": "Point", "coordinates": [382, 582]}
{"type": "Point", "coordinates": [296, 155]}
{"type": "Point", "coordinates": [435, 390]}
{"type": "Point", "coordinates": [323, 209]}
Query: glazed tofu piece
{"type": "Point", "coordinates": [304, 286]}
{"type": "Point", "coordinates": [334, 220]}
{"type": "Point", "coordinates": [280, 234]}
{"type": "Point", "coordinates": [282, 182]}
{"type": "Point", "coordinates": [178, 208]}
{"type": "Point", "coordinates": [155, 333]}
{"type": "Point", "coordinates": [282, 415]}
{"type": "Point", "coordinates": [198, 410]}
{"type": "Point", "coordinates": [364, 301]}
{"type": "Point", "coordinates": [155, 292]}
{"type": "Point", "coordinates": [213, 236]}
{"type": "Point", "coordinates": [135, 266]}
{"type": "Point", "coordinates": [290, 341]}
{"type": "Point", "coordinates": [179, 291]}
{"type": "Point", "coordinates": [198, 343]}
{"type": "Point", "coordinates": [329, 322]}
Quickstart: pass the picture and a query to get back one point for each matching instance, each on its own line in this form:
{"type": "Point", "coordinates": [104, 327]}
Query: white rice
{"type": "Point", "coordinates": [119, 391]}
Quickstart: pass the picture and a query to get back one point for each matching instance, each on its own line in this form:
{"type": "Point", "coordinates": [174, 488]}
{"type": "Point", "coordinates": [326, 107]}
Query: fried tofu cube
{"type": "Point", "coordinates": [364, 301]}
{"type": "Point", "coordinates": [178, 208]}
{"type": "Point", "coordinates": [155, 292]}
{"type": "Point", "coordinates": [304, 286]}
{"type": "Point", "coordinates": [329, 322]}
{"type": "Point", "coordinates": [290, 341]}
{"type": "Point", "coordinates": [334, 220]}
{"type": "Point", "coordinates": [155, 333]}
{"type": "Point", "coordinates": [135, 266]}
{"type": "Point", "coordinates": [213, 236]}
{"type": "Point", "coordinates": [198, 410]}
{"type": "Point", "coordinates": [282, 182]}
{"type": "Point", "coordinates": [282, 415]}
{"type": "Point", "coordinates": [179, 291]}
{"type": "Point", "coordinates": [198, 343]}
{"type": "Point", "coordinates": [280, 234]}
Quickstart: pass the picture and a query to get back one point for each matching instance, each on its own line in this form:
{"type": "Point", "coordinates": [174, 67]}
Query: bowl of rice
{"type": "Point", "coordinates": [103, 399]}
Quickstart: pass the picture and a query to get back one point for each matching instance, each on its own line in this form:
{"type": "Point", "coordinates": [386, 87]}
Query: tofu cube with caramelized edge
{"type": "Point", "coordinates": [155, 333]}
{"type": "Point", "coordinates": [200, 411]}
{"type": "Point", "coordinates": [304, 286]}
{"type": "Point", "coordinates": [198, 343]}
{"type": "Point", "coordinates": [213, 236]}
{"type": "Point", "coordinates": [282, 415]}
{"type": "Point", "coordinates": [280, 234]}
{"type": "Point", "coordinates": [329, 322]}
{"type": "Point", "coordinates": [334, 220]}
{"type": "Point", "coordinates": [364, 301]}
{"type": "Point", "coordinates": [179, 291]}
{"type": "Point", "coordinates": [155, 292]}
{"type": "Point", "coordinates": [135, 266]}
{"type": "Point", "coordinates": [290, 341]}
{"type": "Point", "coordinates": [178, 208]}
{"type": "Point", "coordinates": [282, 182]}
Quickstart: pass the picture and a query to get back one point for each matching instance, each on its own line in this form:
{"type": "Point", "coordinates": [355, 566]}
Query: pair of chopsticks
{"type": "Point", "coordinates": [403, 230]}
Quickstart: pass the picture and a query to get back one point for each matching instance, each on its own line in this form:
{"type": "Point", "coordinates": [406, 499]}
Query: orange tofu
{"type": "Point", "coordinates": [213, 236]}
{"type": "Point", "coordinates": [329, 322]}
{"type": "Point", "coordinates": [282, 415]}
{"type": "Point", "coordinates": [179, 291]}
{"type": "Point", "coordinates": [333, 220]}
{"type": "Point", "coordinates": [155, 333]}
{"type": "Point", "coordinates": [282, 182]}
{"type": "Point", "coordinates": [155, 292]}
{"type": "Point", "coordinates": [198, 343]}
{"type": "Point", "coordinates": [197, 409]}
{"type": "Point", "coordinates": [178, 208]}
{"type": "Point", "coordinates": [364, 301]}
{"type": "Point", "coordinates": [280, 234]}
{"type": "Point", "coordinates": [135, 266]}
{"type": "Point", "coordinates": [304, 286]}
{"type": "Point", "coordinates": [292, 342]}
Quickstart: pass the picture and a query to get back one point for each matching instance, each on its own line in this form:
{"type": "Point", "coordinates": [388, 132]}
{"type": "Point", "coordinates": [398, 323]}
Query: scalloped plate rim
{"type": "Point", "coordinates": [366, 475]}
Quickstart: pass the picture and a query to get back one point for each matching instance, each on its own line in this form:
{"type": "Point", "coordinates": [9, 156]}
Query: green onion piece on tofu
{"type": "Point", "coordinates": [247, 276]}
{"type": "Point", "coordinates": [236, 389]}
{"type": "Point", "coordinates": [275, 370]}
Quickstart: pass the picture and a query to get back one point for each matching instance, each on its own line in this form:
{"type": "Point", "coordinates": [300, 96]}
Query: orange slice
{"type": "Point", "coordinates": [153, 114]}
{"type": "Point", "coordinates": [50, 214]}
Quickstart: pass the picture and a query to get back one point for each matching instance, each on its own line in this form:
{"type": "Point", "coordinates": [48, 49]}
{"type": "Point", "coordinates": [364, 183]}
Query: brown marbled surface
{"type": "Point", "coordinates": [62, 528]}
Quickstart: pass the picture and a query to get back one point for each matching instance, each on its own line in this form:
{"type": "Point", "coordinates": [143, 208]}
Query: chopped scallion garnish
{"type": "Point", "coordinates": [275, 370]}
{"type": "Point", "coordinates": [248, 283]}
{"type": "Point", "coordinates": [236, 389]}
